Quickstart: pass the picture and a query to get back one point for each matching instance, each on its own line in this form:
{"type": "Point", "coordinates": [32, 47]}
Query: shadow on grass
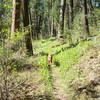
{"type": "Point", "coordinates": [52, 39]}
{"type": "Point", "coordinates": [57, 63]}
{"type": "Point", "coordinates": [59, 45]}
{"type": "Point", "coordinates": [62, 49]}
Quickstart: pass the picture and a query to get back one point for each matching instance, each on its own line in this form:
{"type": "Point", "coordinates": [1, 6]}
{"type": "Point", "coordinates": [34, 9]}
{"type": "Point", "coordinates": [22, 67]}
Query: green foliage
{"type": "Point", "coordinates": [66, 52]}
{"type": "Point", "coordinates": [63, 59]}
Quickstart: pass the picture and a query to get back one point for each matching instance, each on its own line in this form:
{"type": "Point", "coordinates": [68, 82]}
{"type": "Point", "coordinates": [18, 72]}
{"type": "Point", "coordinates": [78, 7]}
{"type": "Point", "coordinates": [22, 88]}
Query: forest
{"type": "Point", "coordinates": [49, 49]}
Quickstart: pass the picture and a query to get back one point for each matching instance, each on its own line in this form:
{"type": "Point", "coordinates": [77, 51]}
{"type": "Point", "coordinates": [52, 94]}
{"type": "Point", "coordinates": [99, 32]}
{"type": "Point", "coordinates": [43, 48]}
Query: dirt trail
{"type": "Point", "coordinates": [58, 87]}
{"type": "Point", "coordinates": [89, 65]}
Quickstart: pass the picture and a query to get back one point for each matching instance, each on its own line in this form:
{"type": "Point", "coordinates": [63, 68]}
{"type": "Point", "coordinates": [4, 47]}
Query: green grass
{"type": "Point", "coordinates": [63, 59]}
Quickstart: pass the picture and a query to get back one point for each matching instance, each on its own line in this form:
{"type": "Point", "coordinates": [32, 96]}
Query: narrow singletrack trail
{"type": "Point", "coordinates": [57, 84]}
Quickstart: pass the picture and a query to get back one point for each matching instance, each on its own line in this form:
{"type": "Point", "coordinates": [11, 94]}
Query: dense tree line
{"type": "Point", "coordinates": [50, 18]}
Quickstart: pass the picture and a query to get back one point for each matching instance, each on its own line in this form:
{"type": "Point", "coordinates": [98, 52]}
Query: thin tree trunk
{"type": "Point", "coordinates": [31, 23]}
{"type": "Point", "coordinates": [68, 16]}
{"type": "Point", "coordinates": [86, 23]}
{"type": "Point", "coordinates": [61, 19]}
{"type": "Point", "coordinates": [50, 9]}
{"type": "Point", "coordinates": [63, 14]}
{"type": "Point", "coordinates": [16, 15]}
{"type": "Point", "coordinates": [1, 9]}
{"type": "Point", "coordinates": [72, 11]}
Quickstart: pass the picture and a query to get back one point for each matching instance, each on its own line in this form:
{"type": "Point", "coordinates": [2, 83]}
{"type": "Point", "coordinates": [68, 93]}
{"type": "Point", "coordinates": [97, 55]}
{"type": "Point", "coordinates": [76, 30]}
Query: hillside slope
{"type": "Point", "coordinates": [87, 85]}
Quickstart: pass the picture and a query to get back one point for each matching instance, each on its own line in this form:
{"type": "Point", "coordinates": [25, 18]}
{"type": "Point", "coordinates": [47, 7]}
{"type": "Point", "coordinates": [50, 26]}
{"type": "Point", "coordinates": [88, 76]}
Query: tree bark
{"type": "Point", "coordinates": [16, 15]}
{"type": "Point", "coordinates": [62, 16]}
{"type": "Point", "coordinates": [68, 17]}
{"type": "Point", "coordinates": [72, 11]}
{"type": "Point", "coordinates": [28, 37]}
{"type": "Point", "coordinates": [86, 23]}
{"type": "Point", "coordinates": [1, 9]}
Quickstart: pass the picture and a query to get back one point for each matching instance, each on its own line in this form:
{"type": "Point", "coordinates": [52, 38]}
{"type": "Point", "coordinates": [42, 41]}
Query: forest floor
{"type": "Point", "coordinates": [69, 63]}
{"type": "Point", "coordinates": [87, 84]}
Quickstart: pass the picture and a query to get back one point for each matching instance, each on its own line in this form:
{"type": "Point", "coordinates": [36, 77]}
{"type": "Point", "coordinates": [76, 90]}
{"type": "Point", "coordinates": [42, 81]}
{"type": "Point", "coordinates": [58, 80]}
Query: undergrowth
{"type": "Point", "coordinates": [64, 59]}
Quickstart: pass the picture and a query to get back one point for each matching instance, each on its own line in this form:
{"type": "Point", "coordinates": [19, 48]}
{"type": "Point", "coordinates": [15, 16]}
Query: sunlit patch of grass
{"type": "Point", "coordinates": [45, 75]}
{"type": "Point", "coordinates": [64, 59]}
{"type": "Point", "coordinates": [71, 56]}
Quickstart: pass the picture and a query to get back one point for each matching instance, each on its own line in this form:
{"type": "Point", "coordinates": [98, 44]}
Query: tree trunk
{"type": "Point", "coordinates": [28, 37]}
{"type": "Point", "coordinates": [62, 15]}
{"type": "Point", "coordinates": [72, 11]}
{"type": "Point", "coordinates": [68, 17]}
{"type": "Point", "coordinates": [86, 23]}
{"type": "Point", "coordinates": [1, 9]}
{"type": "Point", "coordinates": [16, 15]}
